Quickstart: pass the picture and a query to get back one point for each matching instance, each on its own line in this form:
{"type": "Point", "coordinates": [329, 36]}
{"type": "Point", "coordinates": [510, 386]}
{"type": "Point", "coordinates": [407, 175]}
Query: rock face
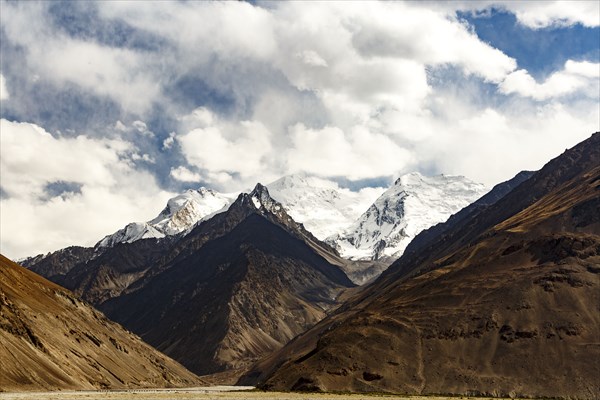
{"type": "Point", "coordinates": [55, 265]}
{"type": "Point", "coordinates": [51, 340]}
{"type": "Point", "coordinates": [504, 302]}
{"type": "Point", "coordinates": [238, 286]}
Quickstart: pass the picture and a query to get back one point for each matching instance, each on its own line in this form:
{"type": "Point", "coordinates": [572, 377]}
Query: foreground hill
{"type": "Point", "coordinates": [51, 340]}
{"type": "Point", "coordinates": [503, 302]}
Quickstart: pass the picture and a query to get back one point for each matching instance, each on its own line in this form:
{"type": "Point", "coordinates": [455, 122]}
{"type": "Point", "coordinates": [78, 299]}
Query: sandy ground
{"type": "Point", "coordinates": [214, 392]}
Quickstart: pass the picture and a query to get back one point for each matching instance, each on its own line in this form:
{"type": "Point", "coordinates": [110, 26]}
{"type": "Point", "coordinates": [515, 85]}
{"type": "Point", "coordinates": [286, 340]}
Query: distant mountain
{"type": "Point", "coordinates": [503, 302]}
{"type": "Point", "coordinates": [414, 203]}
{"type": "Point", "coordinates": [51, 340]}
{"type": "Point", "coordinates": [321, 205]}
{"type": "Point", "coordinates": [181, 214]}
{"type": "Point", "coordinates": [355, 226]}
{"type": "Point", "coordinates": [57, 264]}
{"type": "Point", "coordinates": [236, 287]}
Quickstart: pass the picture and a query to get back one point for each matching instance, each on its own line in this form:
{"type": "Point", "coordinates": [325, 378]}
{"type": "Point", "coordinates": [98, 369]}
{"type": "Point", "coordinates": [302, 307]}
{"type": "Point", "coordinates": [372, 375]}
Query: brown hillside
{"type": "Point", "coordinates": [506, 303]}
{"type": "Point", "coordinates": [51, 340]}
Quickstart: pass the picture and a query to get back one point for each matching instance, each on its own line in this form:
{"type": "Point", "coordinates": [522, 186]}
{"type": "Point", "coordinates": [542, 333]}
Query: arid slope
{"type": "Point", "coordinates": [51, 340]}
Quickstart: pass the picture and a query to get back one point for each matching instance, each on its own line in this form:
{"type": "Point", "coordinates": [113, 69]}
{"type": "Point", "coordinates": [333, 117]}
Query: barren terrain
{"type": "Point", "coordinates": [215, 392]}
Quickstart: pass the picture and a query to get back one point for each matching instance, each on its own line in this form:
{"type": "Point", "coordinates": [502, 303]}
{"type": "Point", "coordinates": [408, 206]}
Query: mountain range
{"type": "Point", "coordinates": [413, 203]}
{"type": "Point", "coordinates": [237, 286]}
{"type": "Point", "coordinates": [488, 293]}
{"type": "Point", "coordinates": [366, 225]}
{"type": "Point", "coordinates": [501, 300]}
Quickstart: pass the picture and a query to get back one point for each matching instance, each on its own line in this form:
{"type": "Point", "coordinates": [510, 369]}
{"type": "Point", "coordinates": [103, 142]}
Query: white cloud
{"type": "Point", "coordinates": [222, 147]}
{"type": "Point", "coordinates": [4, 95]}
{"type": "Point", "coordinates": [112, 192]}
{"type": "Point", "coordinates": [491, 146]}
{"type": "Point", "coordinates": [583, 68]}
{"type": "Point", "coordinates": [232, 30]}
{"type": "Point", "coordinates": [576, 76]}
{"type": "Point", "coordinates": [121, 74]}
{"type": "Point", "coordinates": [312, 58]}
{"type": "Point", "coordinates": [183, 174]}
{"type": "Point", "coordinates": [168, 142]}
{"type": "Point", "coordinates": [331, 88]}
{"type": "Point", "coordinates": [142, 128]}
{"type": "Point", "coordinates": [408, 31]}
{"type": "Point", "coordinates": [357, 155]}
{"type": "Point", "coordinates": [541, 14]}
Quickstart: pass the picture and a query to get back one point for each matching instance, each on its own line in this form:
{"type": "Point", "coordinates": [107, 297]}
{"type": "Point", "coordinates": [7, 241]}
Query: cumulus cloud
{"type": "Point", "coordinates": [220, 147]}
{"type": "Point", "coordinates": [121, 74]}
{"type": "Point", "coordinates": [352, 90]}
{"type": "Point", "coordinates": [492, 145]}
{"type": "Point", "coordinates": [541, 14]}
{"type": "Point", "coordinates": [427, 36]}
{"type": "Point", "coordinates": [183, 174]}
{"type": "Point", "coordinates": [575, 76]}
{"type": "Point", "coordinates": [4, 95]}
{"type": "Point", "coordinates": [111, 192]}
{"type": "Point", "coordinates": [357, 155]}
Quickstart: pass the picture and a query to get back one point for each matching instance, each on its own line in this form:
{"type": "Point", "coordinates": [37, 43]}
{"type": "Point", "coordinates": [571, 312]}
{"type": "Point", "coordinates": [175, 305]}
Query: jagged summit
{"type": "Point", "coordinates": [413, 203]}
{"type": "Point", "coordinates": [262, 199]}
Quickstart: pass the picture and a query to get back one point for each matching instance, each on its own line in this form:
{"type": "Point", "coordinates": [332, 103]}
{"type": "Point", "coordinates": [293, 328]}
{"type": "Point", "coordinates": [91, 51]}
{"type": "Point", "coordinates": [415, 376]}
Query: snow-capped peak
{"type": "Point", "coordinates": [321, 205]}
{"type": "Point", "coordinates": [181, 213]}
{"type": "Point", "coordinates": [414, 203]}
{"type": "Point", "coordinates": [185, 210]}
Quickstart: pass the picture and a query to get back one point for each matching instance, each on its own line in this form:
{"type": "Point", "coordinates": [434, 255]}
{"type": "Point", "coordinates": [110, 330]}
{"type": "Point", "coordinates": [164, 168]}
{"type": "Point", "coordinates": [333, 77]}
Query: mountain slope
{"type": "Point", "coordinates": [55, 265]}
{"type": "Point", "coordinates": [51, 340]}
{"type": "Point", "coordinates": [502, 303]}
{"type": "Point", "coordinates": [413, 203]}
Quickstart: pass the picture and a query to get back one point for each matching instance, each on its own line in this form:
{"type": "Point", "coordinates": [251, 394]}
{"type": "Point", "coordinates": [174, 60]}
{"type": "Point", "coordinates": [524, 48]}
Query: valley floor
{"type": "Point", "coordinates": [215, 392]}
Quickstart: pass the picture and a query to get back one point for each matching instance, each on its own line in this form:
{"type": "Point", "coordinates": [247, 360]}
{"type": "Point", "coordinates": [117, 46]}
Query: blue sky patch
{"type": "Point", "coordinates": [539, 51]}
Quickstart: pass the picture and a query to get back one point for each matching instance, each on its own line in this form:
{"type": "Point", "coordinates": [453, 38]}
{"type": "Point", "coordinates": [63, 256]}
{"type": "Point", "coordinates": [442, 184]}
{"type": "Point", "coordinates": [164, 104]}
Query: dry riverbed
{"type": "Point", "coordinates": [213, 392]}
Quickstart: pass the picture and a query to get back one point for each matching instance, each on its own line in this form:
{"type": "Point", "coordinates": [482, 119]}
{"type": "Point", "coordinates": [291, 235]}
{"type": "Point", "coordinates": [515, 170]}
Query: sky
{"type": "Point", "coordinates": [109, 108]}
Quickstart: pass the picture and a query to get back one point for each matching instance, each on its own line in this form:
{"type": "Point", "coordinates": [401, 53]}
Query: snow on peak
{"type": "Point", "coordinates": [262, 199]}
{"type": "Point", "coordinates": [414, 203]}
{"type": "Point", "coordinates": [181, 213]}
{"type": "Point", "coordinates": [321, 205]}
{"type": "Point", "coordinates": [130, 233]}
